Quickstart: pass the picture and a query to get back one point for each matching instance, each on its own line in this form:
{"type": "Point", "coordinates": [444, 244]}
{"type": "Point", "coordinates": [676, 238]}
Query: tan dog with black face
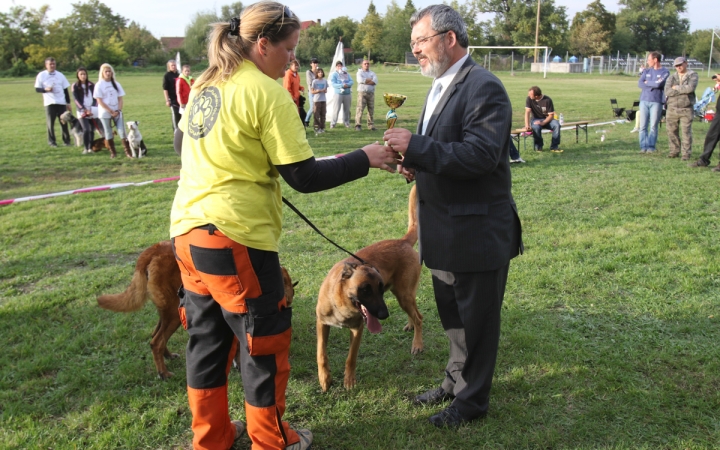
{"type": "Point", "coordinates": [352, 295]}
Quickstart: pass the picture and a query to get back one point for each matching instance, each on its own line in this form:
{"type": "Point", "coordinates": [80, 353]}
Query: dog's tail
{"type": "Point", "coordinates": [136, 294]}
{"type": "Point", "coordinates": [412, 234]}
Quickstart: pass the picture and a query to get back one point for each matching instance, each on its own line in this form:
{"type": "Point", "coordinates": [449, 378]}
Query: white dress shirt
{"type": "Point", "coordinates": [439, 86]}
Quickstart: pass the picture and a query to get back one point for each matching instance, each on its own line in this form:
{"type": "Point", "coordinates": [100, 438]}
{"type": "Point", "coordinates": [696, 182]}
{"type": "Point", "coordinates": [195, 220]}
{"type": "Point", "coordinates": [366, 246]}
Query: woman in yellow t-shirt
{"type": "Point", "coordinates": [239, 133]}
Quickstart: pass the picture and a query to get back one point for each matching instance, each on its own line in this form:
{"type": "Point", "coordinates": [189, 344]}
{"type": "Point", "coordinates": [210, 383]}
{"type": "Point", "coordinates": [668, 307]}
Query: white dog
{"type": "Point", "coordinates": [137, 146]}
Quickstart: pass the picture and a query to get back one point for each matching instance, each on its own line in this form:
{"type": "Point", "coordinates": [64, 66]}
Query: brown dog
{"type": "Point", "coordinates": [352, 293]}
{"type": "Point", "coordinates": [157, 276]}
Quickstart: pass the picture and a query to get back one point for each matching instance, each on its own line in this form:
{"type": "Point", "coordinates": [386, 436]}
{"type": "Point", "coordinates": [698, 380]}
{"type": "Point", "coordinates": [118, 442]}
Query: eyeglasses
{"type": "Point", "coordinates": [422, 41]}
{"type": "Point", "coordinates": [286, 14]}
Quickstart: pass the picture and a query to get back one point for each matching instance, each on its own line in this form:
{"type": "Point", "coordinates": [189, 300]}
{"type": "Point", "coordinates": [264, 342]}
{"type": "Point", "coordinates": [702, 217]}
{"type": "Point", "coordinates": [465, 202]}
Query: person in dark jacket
{"type": "Point", "coordinates": [169, 91]}
{"type": "Point", "coordinates": [712, 137]}
{"type": "Point", "coordinates": [469, 225]}
{"type": "Point", "coordinates": [82, 91]}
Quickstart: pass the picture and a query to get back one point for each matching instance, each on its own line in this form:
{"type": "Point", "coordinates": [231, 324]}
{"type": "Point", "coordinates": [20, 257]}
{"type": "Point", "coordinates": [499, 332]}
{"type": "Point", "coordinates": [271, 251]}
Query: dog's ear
{"type": "Point", "coordinates": [295, 283]}
{"type": "Point", "coordinates": [348, 270]}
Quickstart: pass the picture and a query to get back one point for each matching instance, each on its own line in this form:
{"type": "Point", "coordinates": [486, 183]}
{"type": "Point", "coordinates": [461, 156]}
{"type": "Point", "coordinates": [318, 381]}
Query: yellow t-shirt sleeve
{"type": "Point", "coordinates": [283, 136]}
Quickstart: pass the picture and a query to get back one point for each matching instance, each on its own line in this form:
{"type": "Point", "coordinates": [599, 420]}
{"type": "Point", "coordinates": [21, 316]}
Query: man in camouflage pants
{"type": "Point", "coordinates": [680, 93]}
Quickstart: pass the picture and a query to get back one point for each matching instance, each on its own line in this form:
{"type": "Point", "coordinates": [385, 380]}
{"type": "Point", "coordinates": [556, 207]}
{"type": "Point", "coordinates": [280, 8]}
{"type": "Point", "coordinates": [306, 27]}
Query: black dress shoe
{"type": "Point", "coordinates": [433, 396]}
{"type": "Point", "coordinates": [448, 417]}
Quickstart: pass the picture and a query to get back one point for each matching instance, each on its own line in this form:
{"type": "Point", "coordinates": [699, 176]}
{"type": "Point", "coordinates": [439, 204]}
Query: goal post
{"type": "Point", "coordinates": [713, 49]}
{"type": "Point", "coordinates": [545, 59]}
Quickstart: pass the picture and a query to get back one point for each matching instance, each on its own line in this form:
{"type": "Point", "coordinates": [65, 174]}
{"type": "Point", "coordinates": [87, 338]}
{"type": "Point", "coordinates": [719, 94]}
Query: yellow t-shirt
{"type": "Point", "coordinates": [234, 135]}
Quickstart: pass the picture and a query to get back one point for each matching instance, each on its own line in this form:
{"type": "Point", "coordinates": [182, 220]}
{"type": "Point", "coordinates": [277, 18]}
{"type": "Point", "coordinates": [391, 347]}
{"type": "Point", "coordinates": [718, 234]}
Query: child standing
{"type": "Point", "coordinates": [183, 83]}
{"type": "Point", "coordinates": [318, 90]}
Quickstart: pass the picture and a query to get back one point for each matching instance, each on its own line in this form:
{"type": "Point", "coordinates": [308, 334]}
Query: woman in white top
{"type": "Point", "coordinates": [109, 94]}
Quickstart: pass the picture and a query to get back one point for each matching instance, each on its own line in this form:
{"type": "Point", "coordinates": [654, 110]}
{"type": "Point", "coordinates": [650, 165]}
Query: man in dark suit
{"type": "Point", "coordinates": [469, 226]}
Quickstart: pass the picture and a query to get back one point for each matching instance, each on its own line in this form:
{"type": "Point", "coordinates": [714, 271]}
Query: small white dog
{"type": "Point", "coordinates": [137, 146]}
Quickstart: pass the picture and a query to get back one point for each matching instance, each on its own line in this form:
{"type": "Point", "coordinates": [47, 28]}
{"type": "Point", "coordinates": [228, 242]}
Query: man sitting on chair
{"type": "Point", "coordinates": [539, 114]}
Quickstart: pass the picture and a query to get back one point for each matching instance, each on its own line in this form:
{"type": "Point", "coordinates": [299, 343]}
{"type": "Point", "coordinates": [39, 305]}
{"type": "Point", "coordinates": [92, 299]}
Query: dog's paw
{"type": "Point", "coordinates": [325, 381]}
{"type": "Point", "coordinates": [165, 375]}
{"type": "Point", "coordinates": [408, 327]}
{"type": "Point", "coordinates": [350, 381]}
{"type": "Point", "coordinates": [416, 349]}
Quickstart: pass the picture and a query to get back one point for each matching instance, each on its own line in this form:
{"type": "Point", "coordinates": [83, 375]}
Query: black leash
{"type": "Point", "coordinates": [302, 216]}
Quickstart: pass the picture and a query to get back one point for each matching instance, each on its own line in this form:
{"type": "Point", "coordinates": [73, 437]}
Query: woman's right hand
{"type": "Point", "coordinates": [380, 156]}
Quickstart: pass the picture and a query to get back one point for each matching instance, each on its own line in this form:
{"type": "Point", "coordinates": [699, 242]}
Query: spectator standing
{"type": "Point", "coordinates": [109, 94]}
{"type": "Point", "coordinates": [712, 137]}
{"type": "Point", "coordinates": [83, 90]}
{"type": "Point", "coordinates": [652, 83]}
{"type": "Point", "coordinates": [183, 83]}
{"type": "Point", "coordinates": [318, 90]}
{"type": "Point", "coordinates": [291, 82]}
{"type": "Point", "coordinates": [54, 87]}
{"type": "Point", "coordinates": [680, 93]}
{"type": "Point", "coordinates": [226, 218]}
{"type": "Point", "coordinates": [342, 84]}
{"type": "Point", "coordinates": [539, 115]}
{"type": "Point", "coordinates": [367, 80]}
{"type": "Point", "coordinates": [468, 221]}
{"type": "Point", "coordinates": [310, 75]}
{"type": "Point", "coordinates": [169, 91]}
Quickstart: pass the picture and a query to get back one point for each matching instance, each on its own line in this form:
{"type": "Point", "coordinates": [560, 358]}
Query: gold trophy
{"type": "Point", "coordinates": [394, 101]}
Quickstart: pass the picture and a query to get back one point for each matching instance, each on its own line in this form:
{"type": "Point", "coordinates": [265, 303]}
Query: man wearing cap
{"type": "Point", "coordinates": [652, 82]}
{"type": "Point", "coordinates": [367, 80]}
{"type": "Point", "coordinates": [309, 77]}
{"type": "Point", "coordinates": [680, 93]}
{"type": "Point", "coordinates": [341, 82]}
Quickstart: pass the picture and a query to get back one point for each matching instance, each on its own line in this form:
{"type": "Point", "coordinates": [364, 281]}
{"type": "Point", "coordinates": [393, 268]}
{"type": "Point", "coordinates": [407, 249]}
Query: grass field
{"type": "Point", "coordinates": [610, 323]}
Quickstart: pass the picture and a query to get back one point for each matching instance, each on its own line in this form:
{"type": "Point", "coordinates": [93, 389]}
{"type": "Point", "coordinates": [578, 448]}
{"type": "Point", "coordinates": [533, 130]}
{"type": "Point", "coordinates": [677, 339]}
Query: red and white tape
{"type": "Point", "coordinates": [84, 190]}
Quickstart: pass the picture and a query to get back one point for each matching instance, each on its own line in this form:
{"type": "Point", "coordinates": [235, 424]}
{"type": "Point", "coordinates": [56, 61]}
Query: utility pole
{"type": "Point", "coordinates": [537, 31]}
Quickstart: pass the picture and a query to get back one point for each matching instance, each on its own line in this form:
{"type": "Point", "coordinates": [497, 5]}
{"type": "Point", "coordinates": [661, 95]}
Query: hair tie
{"type": "Point", "coordinates": [234, 26]}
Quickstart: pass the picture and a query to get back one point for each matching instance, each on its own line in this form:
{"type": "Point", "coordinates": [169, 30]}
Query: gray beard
{"type": "Point", "coordinates": [437, 68]}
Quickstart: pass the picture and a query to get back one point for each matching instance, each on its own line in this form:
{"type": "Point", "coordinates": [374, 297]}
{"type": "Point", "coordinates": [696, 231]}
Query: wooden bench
{"type": "Point", "coordinates": [518, 133]}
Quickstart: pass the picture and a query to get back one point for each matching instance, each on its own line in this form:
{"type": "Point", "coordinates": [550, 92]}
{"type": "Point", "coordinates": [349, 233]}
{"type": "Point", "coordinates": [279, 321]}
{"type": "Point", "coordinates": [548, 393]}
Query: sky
{"type": "Point", "coordinates": [166, 18]}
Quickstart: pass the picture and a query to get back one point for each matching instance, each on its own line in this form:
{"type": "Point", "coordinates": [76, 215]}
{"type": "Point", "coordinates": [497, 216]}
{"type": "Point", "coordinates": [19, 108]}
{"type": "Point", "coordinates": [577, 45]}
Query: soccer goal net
{"type": "Point", "coordinates": [512, 58]}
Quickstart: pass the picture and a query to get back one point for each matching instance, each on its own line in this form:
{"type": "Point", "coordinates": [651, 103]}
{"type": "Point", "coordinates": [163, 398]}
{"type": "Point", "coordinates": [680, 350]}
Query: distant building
{"type": "Point", "coordinates": [309, 23]}
{"type": "Point", "coordinates": [171, 43]}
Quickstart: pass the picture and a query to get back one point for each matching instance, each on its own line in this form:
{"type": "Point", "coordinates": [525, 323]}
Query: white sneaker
{"type": "Point", "coordinates": [519, 160]}
{"type": "Point", "coordinates": [305, 441]}
{"type": "Point", "coordinates": [634, 130]}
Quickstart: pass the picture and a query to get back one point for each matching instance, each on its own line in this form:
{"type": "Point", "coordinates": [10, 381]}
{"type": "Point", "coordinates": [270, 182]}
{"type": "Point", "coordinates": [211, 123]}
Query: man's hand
{"type": "Point", "coordinates": [380, 156]}
{"type": "Point", "coordinates": [398, 139]}
{"type": "Point", "coordinates": [409, 174]}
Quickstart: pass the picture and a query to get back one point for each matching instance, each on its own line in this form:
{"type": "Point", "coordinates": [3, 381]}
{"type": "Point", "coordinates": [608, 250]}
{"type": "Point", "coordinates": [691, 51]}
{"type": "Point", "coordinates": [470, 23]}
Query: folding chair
{"type": "Point", "coordinates": [630, 113]}
{"type": "Point", "coordinates": [616, 109]}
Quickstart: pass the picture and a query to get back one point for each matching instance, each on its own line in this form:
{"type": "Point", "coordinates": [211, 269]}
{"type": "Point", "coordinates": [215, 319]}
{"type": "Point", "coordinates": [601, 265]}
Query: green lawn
{"type": "Point", "coordinates": [610, 322]}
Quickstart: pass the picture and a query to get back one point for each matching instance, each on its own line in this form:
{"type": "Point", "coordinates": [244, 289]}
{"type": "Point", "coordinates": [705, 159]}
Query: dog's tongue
{"type": "Point", "coordinates": [373, 325]}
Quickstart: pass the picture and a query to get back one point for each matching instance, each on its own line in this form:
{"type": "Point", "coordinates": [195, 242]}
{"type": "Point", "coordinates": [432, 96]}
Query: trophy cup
{"type": "Point", "coordinates": [394, 101]}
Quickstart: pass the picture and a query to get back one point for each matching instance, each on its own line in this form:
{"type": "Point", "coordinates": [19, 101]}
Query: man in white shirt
{"type": "Point", "coordinates": [366, 80]}
{"type": "Point", "coordinates": [54, 87]}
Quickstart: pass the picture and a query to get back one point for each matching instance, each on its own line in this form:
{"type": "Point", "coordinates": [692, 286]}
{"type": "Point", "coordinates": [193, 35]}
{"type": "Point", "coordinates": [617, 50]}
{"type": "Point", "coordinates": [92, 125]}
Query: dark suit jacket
{"type": "Point", "coordinates": [468, 218]}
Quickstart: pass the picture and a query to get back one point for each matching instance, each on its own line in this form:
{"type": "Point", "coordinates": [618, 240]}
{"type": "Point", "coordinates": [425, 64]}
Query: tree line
{"type": "Point", "coordinates": [92, 34]}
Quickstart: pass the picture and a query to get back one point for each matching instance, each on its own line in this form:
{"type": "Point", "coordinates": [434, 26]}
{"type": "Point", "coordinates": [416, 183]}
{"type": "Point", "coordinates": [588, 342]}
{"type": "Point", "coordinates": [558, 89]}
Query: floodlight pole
{"type": "Point", "coordinates": [537, 32]}
{"type": "Point", "coordinates": [712, 42]}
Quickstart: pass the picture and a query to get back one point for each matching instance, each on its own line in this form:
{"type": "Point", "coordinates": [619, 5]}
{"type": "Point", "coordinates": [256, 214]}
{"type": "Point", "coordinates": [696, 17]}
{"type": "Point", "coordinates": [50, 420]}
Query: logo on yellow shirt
{"type": "Point", "coordinates": [204, 112]}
